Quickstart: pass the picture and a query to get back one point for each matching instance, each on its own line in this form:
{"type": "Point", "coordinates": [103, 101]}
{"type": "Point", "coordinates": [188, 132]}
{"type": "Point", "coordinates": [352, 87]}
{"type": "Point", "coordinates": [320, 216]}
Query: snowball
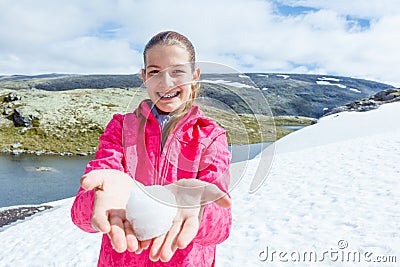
{"type": "Point", "coordinates": [151, 210]}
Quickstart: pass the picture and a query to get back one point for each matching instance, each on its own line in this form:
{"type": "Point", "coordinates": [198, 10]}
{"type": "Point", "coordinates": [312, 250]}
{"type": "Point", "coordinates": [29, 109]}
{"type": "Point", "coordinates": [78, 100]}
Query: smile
{"type": "Point", "coordinates": [167, 96]}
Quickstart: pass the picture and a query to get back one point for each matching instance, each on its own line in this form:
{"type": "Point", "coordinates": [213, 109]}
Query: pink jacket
{"type": "Point", "coordinates": [197, 148]}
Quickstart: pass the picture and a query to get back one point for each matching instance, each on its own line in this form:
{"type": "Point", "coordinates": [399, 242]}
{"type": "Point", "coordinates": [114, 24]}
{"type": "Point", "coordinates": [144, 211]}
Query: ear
{"type": "Point", "coordinates": [144, 75]}
{"type": "Point", "coordinates": [196, 74]}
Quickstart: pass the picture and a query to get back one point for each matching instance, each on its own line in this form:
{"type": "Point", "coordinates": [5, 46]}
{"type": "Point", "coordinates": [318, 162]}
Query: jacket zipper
{"type": "Point", "coordinates": [157, 160]}
{"type": "Point", "coordinates": [162, 158]}
{"type": "Point", "coordinates": [165, 152]}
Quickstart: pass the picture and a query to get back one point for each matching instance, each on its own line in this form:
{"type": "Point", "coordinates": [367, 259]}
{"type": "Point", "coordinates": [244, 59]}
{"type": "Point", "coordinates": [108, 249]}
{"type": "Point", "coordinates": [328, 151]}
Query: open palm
{"type": "Point", "coordinates": [191, 195]}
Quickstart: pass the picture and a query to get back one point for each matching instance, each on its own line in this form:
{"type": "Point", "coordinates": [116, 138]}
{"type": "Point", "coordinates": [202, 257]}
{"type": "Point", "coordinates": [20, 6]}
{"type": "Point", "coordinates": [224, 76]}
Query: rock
{"type": "Point", "coordinates": [151, 210]}
{"type": "Point", "coordinates": [16, 145]}
{"type": "Point", "coordinates": [11, 97]}
{"type": "Point", "coordinates": [7, 112]}
{"type": "Point", "coordinates": [380, 96]}
{"type": "Point", "coordinates": [83, 154]}
{"type": "Point", "coordinates": [45, 169]}
{"type": "Point", "coordinates": [388, 97]}
{"type": "Point", "coordinates": [17, 151]}
{"type": "Point", "coordinates": [23, 130]}
{"type": "Point", "coordinates": [373, 102]}
{"type": "Point", "coordinates": [12, 215]}
{"type": "Point", "coordinates": [40, 152]}
{"type": "Point", "coordinates": [369, 102]}
{"type": "Point", "coordinates": [6, 150]}
{"type": "Point", "coordinates": [21, 120]}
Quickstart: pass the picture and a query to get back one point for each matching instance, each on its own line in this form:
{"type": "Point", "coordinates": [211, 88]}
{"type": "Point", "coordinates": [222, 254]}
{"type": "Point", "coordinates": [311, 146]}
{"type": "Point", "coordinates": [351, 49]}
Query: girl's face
{"type": "Point", "coordinates": [168, 76]}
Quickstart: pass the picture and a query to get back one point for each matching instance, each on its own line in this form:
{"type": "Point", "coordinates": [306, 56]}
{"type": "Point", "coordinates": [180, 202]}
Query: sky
{"type": "Point", "coordinates": [355, 38]}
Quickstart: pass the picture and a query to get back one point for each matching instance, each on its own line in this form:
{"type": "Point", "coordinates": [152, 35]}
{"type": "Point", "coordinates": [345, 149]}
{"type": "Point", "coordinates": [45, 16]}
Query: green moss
{"type": "Point", "coordinates": [396, 94]}
{"type": "Point", "coordinates": [293, 121]}
{"type": "Point", "coordinates": [35, 122]}
{"type": "Point", "coordinates": [36, 139]}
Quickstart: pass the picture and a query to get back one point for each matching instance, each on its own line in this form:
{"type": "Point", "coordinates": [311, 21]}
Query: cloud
{"type": "Point", "coordinates": [351, 38]}
{"type": "Point", "coordinates": [357, 8]}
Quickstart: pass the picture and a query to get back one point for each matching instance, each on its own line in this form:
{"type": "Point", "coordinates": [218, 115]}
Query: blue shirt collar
{"type": "Point", "coordinates": [162, 119]}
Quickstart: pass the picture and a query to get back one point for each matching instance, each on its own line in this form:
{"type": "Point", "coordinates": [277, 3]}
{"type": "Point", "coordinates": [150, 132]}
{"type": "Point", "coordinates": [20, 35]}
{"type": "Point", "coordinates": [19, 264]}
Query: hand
{"type": "Point", "coordinates": [191, 196]}
{"type": "Point", "coordinates": [112, 191]}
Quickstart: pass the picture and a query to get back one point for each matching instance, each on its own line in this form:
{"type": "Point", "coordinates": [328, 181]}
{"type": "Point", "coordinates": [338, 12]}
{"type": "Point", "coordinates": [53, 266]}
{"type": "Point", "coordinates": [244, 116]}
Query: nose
{"type": "Point", "coordinates": [166, 81]}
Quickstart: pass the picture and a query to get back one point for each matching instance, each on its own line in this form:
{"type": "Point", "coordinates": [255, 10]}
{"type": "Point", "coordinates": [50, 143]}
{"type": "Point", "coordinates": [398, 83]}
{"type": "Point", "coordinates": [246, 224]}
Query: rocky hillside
{"type": "Point", "coordinates": [370, 103]}
{"type": "Point", "coordinates": [67, 122]}
{"type": "Point", "coordinates": [312, 95]}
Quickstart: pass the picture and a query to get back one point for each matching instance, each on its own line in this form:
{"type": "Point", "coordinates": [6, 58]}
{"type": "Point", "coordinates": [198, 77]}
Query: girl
{"type": "Point", "coordinates": [166, 141]}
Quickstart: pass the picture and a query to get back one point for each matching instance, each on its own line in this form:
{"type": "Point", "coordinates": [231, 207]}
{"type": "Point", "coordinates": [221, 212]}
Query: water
{"type": "Point", "coordinates": [246, 152]}
{"type": "Point", "coordinates": [293, 127]}
{"type": "Point", "coordinates": [22, 182]}
{"type": "Point", "coordinates": [30, 180]}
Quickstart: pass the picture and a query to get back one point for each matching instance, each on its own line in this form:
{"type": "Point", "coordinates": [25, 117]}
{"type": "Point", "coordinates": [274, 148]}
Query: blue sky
{"type": "Point", "coordinates": [356, 38]}
{"type": "Point", "coordinates": [287, 10]}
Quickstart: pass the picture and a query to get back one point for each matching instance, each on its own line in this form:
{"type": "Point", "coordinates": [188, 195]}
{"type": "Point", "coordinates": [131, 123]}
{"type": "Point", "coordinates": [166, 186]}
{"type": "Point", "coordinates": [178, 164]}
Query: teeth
{"type": "Point", "coordinates": [168, 95]}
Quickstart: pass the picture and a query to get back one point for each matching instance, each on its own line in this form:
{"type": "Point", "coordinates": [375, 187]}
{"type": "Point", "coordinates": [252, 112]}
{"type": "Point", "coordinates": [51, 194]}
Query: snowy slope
{"type": "Point", "coordinates": [332, 184]}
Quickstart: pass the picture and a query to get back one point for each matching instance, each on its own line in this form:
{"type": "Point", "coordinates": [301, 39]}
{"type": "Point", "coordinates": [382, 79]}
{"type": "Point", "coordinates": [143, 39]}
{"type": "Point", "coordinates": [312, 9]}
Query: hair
{"type": "Point", "coordinates": [171, 38]}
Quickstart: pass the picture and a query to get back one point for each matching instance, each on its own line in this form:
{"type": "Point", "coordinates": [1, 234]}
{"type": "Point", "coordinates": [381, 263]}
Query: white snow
{"type": "Point", "coordinates": [48, 239]}
{"type": "Point", "coordinates": [355, 90]}
{"type": "Point", "coordinates": [329, 79]}
{"type": "Point", "coordinates": [333, 190]}
{"type": "Point", "coordinates": [283, 76]}
{"type": "Point", "coordinates": [333, 84]}
{"type": "Point", "coordinates": [151, 213]}
{"type": "Point", "coordinates": [229, 83]}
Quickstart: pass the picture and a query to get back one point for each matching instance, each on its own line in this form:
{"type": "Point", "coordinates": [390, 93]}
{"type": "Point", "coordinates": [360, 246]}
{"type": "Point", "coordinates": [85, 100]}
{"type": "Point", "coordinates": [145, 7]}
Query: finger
{"type": "Point", "coordinates": [117, 233]}
{"type": "Point", "coordinates": [142, 245]}
{"type": "Point", "coordinates": [145, 244]}
{"type": "Point", "coordinates": [131, 240]}
{"type": "Point", "coordinates": [170, 244]}
{"type": "Point", "coordinates": [188, 232]}
{"type": "Point", "coordinates": [100, 214]}
{"type": "Point", "coordinates": [100, 221]}
{"type": "Point", "coordinates": [90, 181]}
{"type": "Point", "coordinates": [154, 254]}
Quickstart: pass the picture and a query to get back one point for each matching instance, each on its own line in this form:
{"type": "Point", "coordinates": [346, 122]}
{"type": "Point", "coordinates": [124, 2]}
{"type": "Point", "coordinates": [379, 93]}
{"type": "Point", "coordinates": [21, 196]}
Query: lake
{"type": "Point", "coordinates": [293, 127]}
{"type": "Point", "coordinates": [30, 180]}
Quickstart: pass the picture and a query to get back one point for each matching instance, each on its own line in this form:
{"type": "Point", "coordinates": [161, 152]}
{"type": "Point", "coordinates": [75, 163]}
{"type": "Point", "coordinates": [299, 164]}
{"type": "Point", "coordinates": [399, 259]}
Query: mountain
{"type": "Point", "coordinates": [312, 95]}
{"type": "Point", "coordinates": [286, 94]}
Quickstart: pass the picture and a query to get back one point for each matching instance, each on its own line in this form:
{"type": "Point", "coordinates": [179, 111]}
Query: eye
{"type": "Point", "coordinates": [178, 71]}
{"type": "Point", "coordinates": [153, 72]}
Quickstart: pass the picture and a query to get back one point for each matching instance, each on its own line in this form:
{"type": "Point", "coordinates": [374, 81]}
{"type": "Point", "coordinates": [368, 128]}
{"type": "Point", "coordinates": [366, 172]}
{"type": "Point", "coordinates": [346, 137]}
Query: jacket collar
{"type": "Point", "coordinates": [145, 110]}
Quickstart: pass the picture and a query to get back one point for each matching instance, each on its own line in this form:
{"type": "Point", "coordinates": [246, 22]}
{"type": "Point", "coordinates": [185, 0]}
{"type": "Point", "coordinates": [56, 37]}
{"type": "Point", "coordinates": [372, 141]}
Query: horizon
{"type": "Point", "coordinates": [207, 73]}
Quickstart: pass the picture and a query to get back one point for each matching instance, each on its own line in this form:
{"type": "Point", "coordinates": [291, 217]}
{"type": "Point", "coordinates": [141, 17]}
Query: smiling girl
{"type": "Point", "coordinates": [167, 141]}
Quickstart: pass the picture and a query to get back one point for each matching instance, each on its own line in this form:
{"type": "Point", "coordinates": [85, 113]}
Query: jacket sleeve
{"type": "Point", "coordinates": [108, 156]}
{"type": "Point", "coordinates": [214, 168]}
